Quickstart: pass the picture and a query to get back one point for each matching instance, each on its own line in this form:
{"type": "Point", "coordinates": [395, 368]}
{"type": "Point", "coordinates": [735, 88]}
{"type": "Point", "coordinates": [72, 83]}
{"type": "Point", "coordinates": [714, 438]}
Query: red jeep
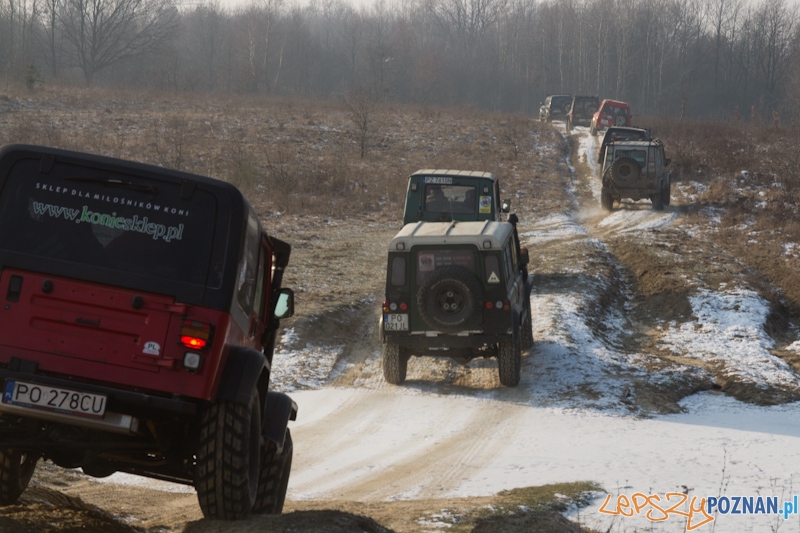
{"type": "Point", "coordinates": [610, 113]}
{"type": "Point", "coordinates": [140, 316]}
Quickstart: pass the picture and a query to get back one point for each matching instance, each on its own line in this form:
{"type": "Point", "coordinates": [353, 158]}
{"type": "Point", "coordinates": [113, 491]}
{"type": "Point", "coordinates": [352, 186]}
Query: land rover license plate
{"type": "Point", "coordinates": [54, 399]}
{"type": "Point", "coordinates": [395, 322]}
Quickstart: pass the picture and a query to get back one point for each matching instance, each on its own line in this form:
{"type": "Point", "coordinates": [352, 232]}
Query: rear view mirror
{"type": "Point", "coordinates": [523, 257]}
{"type": "Point", "coordinates": [285, 306]}
{"type": "Point", "coordinates": [506, 206]}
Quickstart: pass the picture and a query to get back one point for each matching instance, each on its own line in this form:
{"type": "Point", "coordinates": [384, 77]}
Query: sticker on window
{"type": "Point", "coordinates": [486, 204]}
{"type": "Point", "coordinates": [426, 262]}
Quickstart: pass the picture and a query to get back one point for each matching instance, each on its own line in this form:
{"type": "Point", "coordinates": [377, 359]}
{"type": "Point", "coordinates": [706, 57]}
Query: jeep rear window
{"type": "Point", "coordinates": [639, 155]}
{"type": "Point", "coordinates": [430, 260]}
{"type": "Point", "coordinates": [107, 220]}
{"type": "Point", "coordinates": [450, 198]}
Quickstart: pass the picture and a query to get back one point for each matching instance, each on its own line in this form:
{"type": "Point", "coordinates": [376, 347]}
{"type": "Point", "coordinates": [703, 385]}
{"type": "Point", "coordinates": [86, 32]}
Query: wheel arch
{"type": "Point", "coordinates": [246, 371]}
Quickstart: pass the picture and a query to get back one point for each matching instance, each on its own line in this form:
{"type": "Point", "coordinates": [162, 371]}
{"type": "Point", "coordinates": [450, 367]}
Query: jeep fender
{"type": "Point", "coordinates": [241, 375]}
{"type": "Point", "coordinates": [279, 410]}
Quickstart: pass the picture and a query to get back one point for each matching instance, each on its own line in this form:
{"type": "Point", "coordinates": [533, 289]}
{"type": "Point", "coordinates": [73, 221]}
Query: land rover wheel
{"type": "Point", "coordinates": [509, 359]}
{"type": "Point", "coordinates": [395, 364]}
{"type": "Point", "coordinates": [658, 199]}
{"type": "Point", "coordinates": [667, 193]}
{"type": "Point", "coordinates": [625, 170]}
{"type": "Point", "coordinates": [227, 471]}
{"type": "Point", "coordinates": [16, 469]}
{"type": "Point", "coordinates": [274, 476]}
{"type": "Point", "coordinates": [606, 200]}
{"type": "Point", "coordinates": [449, 299]}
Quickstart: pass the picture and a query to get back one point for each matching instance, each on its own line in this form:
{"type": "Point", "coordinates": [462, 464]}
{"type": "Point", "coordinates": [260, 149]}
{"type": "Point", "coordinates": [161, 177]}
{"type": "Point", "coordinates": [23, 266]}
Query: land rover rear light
{"type": "Point", "coordinates": [195, 335]}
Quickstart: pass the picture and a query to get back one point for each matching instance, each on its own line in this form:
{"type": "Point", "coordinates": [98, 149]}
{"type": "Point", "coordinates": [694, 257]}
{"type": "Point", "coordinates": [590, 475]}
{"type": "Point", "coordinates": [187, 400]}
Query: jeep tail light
{"type": "Point", "coordinates": [195, 335]}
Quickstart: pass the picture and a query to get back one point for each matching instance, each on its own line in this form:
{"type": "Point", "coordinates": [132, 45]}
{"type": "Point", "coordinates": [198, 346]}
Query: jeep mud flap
{"type": "Point", "coordinates": [279, 410]}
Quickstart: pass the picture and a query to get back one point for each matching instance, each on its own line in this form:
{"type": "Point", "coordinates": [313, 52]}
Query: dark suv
{"type": "Point", "coordinates": [554, 107]}
{"type": "Point", "coordinates": [458, 290]}
{"type": "Point", "coordinates": [141, 311]}
{"type": "Point", "coordinates": [581, 110]}
{"type": "Point", "coordinates": [635, 170]}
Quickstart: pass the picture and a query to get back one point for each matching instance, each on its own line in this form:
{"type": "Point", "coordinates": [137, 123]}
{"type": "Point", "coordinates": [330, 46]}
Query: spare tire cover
{"type": "Point", "coordinates": [625, 170]}
{"type": "Point", "coordinates": [450, 299]}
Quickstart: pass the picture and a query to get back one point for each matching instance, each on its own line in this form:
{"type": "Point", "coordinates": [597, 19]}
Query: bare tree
{"type": "Point", "coordinates": [207, 31]}
{"type": "Point", "coordinates": [105, 32]}
{"type": "Point", "coordinates": [51, 42]}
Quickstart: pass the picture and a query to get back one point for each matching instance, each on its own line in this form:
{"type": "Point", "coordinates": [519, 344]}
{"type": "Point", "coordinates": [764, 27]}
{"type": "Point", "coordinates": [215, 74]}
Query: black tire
{"type": "Point", "coordinates": [509, 359]}
{"type": "Point", "coordinates": [395, 364]}
{"type": "Point", "coordinates": [667, 193]}
{"type": "Point", "coordinates": [658, 199]}
{"type": "Point", "coordinates": [620, 120]}
{"type": "Point", "coordinates": [228, 457]}
{"type": "Point", "coordinates": [527, 327]}
{"type": "Point", "coordinates": [273, 479]}
{"type": "Point", "coordinates": [606, 200]}
{"type": "Point", "coordinates": [449, 299]}
{"type": "Point", "coordinates": [16, 470]}
{"type": "Point", "coordinates": [625, 170]}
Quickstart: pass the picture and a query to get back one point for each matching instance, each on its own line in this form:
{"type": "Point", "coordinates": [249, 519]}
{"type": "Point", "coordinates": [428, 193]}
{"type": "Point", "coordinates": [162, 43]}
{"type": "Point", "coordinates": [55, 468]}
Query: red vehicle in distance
{"type": "Point", "coordinates": [611, 113]}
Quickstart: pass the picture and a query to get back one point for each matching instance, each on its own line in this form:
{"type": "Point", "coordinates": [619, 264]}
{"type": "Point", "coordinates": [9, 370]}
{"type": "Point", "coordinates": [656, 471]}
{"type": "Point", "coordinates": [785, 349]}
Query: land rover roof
{"type": "Point", "coordinates": [486, 233]}
{"type": "Point", "coordinates": [459, 173]}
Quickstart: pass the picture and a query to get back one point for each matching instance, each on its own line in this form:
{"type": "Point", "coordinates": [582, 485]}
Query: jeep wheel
{"type": "Point", "coordinates": [606, 200]}
{"type": "Point", "coordinates": [509, 359]}
{"type": "Point", "coordinates": [274, 476]}
{"type": "Point", "coordinates": [395, 364]}
{"type": "Point", "coordinates": [450, 298]}
{"type": "Point", "coordinates": [16, 470]}
{"type": "Point", "coordinates": [227, 471]}
{"type": "Point", "coordinates": [667, 192]}
{"type": "Point", "coordinates": [625, 169]}
{"type": "Point", "coordinates": [658, 199]}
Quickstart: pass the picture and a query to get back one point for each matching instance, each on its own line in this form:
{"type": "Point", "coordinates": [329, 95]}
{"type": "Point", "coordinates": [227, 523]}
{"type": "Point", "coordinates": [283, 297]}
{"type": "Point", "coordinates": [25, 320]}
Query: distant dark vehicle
{"type": "Point", "coordinates": [611, 113]}
{"type": "Point", "coordinates": [636, 170]}
{"type": "Point", "coordinates": [442, 195]}
{"type": "Point", "coordinates": [618, 133]}
{"type": "Point", "coordinates": [555, 106]}
{"type": "Point", "coordinates": [141, 308]}
{"type": "Point", "coordinates": [581, 110]}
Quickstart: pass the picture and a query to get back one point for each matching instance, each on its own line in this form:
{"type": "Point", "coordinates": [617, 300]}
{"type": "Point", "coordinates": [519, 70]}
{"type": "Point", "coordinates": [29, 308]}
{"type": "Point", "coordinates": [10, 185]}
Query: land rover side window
{"type": "Point", "coordinates": [246, 283]}
{"type": "Point", "coordinates": [430, 260]}
{"type": "Point", "coordinates": [450, 198]}
{"type": "Point", "coordinates": [398, 278]}
{"type": "Point", "coordinates": [109, 220]}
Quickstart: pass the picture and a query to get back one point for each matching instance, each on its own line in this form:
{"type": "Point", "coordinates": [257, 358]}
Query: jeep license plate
{"type": "Point", "coordinates": [395, 322]}
{"type": "Point", "coordinates": [54, 399]}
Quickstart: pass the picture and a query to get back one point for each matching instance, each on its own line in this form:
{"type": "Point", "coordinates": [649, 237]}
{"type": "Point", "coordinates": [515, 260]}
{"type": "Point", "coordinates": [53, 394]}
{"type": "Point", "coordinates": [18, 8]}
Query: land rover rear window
{"type": "Point", "coordinates": [107, 220]}
{"type": "Point", "coordinates": [450, 198]}
{"type": "Point", "coordinates": [430, 260]}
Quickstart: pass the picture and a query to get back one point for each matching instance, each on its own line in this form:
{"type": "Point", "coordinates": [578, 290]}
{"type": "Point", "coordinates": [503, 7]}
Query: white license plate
{"type": "Point", "coordinates": [54, 399]}
{"type": "Point", "coordinates": [395, 322]}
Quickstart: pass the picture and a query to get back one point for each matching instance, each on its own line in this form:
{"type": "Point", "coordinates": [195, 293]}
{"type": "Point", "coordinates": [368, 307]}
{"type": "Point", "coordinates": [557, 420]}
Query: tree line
{"type": "Point", "coordinates": [710, 59]}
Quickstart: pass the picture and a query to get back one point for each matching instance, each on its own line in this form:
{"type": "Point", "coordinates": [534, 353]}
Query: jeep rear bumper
{"type": "Point", "coordinates": [123, 405]}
